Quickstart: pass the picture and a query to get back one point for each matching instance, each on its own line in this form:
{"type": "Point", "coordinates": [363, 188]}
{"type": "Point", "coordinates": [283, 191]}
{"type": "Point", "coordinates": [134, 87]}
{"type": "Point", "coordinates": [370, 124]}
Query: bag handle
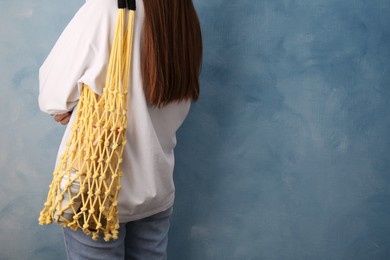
{"type": "Point", "coordinates": [130, 4]}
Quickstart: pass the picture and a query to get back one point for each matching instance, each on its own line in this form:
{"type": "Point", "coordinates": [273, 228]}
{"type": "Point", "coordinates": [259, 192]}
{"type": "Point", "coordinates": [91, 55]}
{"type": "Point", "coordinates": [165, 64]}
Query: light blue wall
{"type": "Point", "coordinates": [285, 156]}
{"type": "Point", "coordinates": [29, 139]}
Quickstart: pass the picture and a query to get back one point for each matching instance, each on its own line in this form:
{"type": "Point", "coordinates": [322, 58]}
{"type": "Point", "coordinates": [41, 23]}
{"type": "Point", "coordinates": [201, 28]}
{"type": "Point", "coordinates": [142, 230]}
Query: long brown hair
{"type": "Point", "coordinates": [171, 52]}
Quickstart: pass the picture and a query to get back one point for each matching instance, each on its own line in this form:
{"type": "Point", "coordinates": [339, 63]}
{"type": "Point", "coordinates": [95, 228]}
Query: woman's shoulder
{"type": "Point", "coordinates": [103, 3]}
{"type": "Point", "coordinates": [96, 12]}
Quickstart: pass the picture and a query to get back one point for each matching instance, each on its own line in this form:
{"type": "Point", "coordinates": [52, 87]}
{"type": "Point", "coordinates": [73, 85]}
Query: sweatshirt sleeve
{"type": "Point", "coordinates": [75, 59]}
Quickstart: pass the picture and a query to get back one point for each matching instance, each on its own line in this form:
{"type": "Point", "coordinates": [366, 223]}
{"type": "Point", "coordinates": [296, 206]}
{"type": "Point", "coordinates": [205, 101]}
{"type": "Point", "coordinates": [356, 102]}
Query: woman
{"type": "Point", "coordinates": [164, 80]}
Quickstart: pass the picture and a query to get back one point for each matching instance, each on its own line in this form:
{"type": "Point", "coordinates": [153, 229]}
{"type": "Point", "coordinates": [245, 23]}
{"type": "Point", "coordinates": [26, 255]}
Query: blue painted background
{"type": "Point", "coordinates": [285, 156]}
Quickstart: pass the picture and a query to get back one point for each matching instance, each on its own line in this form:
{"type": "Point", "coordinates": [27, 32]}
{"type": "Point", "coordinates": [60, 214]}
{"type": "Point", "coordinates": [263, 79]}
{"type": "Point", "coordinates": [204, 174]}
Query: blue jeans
{"type": "Point", "coordinates": [145, 239]}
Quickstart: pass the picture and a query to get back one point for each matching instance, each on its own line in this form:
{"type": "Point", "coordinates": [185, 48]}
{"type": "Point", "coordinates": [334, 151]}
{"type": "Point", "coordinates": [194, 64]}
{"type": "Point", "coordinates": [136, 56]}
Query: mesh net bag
{"type": "Point", "coordinates": [86, 182]}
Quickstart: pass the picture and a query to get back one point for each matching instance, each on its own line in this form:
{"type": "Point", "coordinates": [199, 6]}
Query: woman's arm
{"type": "Point", "coordinates": [79, 56]}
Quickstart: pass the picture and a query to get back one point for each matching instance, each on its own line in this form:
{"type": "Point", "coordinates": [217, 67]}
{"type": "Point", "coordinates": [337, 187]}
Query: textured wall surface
{"type": "Point", "coordinates": [285, 156]}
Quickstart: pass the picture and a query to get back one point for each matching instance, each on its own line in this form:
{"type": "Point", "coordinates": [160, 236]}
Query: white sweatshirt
{"type": "Point", "coordinates": [81, 56]}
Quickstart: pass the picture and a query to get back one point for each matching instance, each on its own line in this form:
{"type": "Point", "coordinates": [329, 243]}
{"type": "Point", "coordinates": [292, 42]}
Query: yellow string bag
{"type": "Point", "coordinates": [86, 182]}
